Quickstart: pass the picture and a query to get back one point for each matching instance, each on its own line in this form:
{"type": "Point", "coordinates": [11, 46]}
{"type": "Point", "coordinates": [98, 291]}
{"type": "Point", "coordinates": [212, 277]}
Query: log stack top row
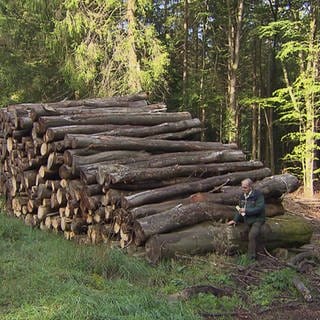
{"type": "Point", "coordinates": [121, 169]}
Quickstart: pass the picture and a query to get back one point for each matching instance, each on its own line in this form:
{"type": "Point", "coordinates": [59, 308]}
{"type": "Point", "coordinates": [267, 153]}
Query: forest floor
{"type": "Point", "coordinates": [285, 308]}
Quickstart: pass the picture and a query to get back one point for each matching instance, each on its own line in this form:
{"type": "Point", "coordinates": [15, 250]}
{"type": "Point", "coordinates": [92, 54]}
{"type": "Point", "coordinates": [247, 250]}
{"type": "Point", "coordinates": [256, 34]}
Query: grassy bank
{"type": "Point", "coordinates": [43, 276]}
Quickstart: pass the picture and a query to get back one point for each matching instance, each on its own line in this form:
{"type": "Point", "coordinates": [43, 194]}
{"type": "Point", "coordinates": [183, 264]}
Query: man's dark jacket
{"type": "Point", "coordinates": [255, 208]}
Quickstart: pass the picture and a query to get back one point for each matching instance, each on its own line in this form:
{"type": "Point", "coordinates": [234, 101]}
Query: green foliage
{"type": "Point", "coordinates": [99, 48]}
{"type": "Point", "coordinates": [299, 55]}
{"type": "Point", "coordinates": [244, 260]}
{"type": "Point", "coordinates": [28, 69]}
{"type": "Point", "coordinates": [212, 304]}
{"type": "Point", "coordinates": [273, 285]}
{"type": "Point", "coordinates": [46, 277]}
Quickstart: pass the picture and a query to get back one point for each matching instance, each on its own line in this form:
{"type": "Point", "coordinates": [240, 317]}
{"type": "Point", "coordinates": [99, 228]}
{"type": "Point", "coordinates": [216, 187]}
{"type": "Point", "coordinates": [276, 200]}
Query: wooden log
{"type": "Point", "coordinates": [163, 128]}
{"type": "Point", "coordinates": [151, 184]}
{"type": "Point", "coordinates": [154, 208]}
{"type": "Point", "coordinates": [126, 143]}
{"type": "Point", "coordinates": [179, 135]}
{"type": "Point", "coordinates": [65, 172]}
{"type": "Point", "coordinates": [271, 187]}
{"type": "Point", "coordinates": [79, 225]}
{"type": "Point", "coordinates": [58, 133]}
{"type": "Point", "coordinates": [107, 156]}
{"type": "Point", "coordinates": [90, 190]}
{"type": "Point", "coordinates": [94, 111]}
{"type": "Point", "coordinates": [37, 110]}
{"type": "Point", "coordinates": [54, 203]}
{"type": "Point", "coordinates": [175, 158]}
{"type": "Point", "coordinates": [284, 231]}
{"type": "Point", "coordinates": [113, 196]}
{"type": "Point", "coordinates": [92, 202]}
{"type": "Point", "coordinates": [125, 174]}
{"type": "Point", "coordinates": [69, 153]}
{"type": "Point", "coordinates": [61, 197]}
{"type": "Point", "coordinates": [29, 178]}
{"type": "Point", "coordinates": [88, 176]}
{"type": "Point", "coordinates": [28, 220]}
{"type": "Point", "coordinates": [183, 189]}
{"type": "Point", "coordinates": [188, 215]}
{"type": "Point", "coordinates": [65, 224]}
{"type": "Point", "coordinates": [33, 205]}
{"type": "Point", "coordinates": [141, 118]}
{"type": "Point", "coordinates": [42, 212]}
{"type": "Point", "coordinates": [46, 173]}
{"type": "Point", "coordinates": [37, 162]}
{"type": "Point", "coordinates": [99, 215]}
{"type": "Point", "coordinates": [55, 160]}
{"type": "Point", "coordinates": [303, 290]}
{"type": "Point", "coordinates": [56, 222]}
{"type": "Point", "coordinates": [43, 191]}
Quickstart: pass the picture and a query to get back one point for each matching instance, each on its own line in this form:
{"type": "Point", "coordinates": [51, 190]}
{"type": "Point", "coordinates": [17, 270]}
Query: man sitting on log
{"type": "Point", "coordinates": [252, 212]}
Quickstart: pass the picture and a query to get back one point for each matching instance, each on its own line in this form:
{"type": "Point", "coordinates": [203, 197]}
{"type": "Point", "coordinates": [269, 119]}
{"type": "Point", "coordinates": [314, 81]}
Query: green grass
{"type": "Point", "coordinates": [273, 285]}
{"type": "Point", "coordinates": [45, 277]}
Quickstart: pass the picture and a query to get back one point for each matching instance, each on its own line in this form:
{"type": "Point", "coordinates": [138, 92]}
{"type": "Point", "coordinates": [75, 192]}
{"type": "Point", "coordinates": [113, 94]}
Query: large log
{"type": "Point", "coordinates": [141, 118]}
{"type": "Point", "coordinates": [188, 215]}
{"type": "Point", "coordinates": [57, 133]}
{"type": "Point", "coordinates": [152, 184]}
{"type": "Point", "coordinates": [129, 156]}
{"type": "Point", "coordinates": [271, 187]}
{"type": "Point", "coordinates": [184, 189]}
{"type": "Point", "coordinates": [39, 109]}
{"type": "Point", "coordinates": [127, 175]}
{"type": "Point", "coordinates": [126, 143]}
{"type": "Point", "coordinates": [284, 231]}
{"type": "Point", "coordinates": [165, 127]}
{"type": "Point", "coordinates": [179, 135]}
{"type": "Point", "coordinates": [77, 110]}
{"type": "Point", "coordinates": [173, 159]}
{"type": "Point", "coordinates": [69, 153]}
{"type": "Point", "coordinates": [102, 102]}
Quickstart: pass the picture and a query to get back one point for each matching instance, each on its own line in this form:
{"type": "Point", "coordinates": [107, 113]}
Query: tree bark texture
{"type": "Point", "coordinates": [284, 231]}
{"type": "Point", "coordinates": [127, 175]}
{"type": "Point", "coordinates": [188, 215]}
{"type": "Point", "coordinates": [125, 143]}
{"type": "Point", "coordinates": [113, 118]}
{"type": "Point", "coordinates": [184, 189]}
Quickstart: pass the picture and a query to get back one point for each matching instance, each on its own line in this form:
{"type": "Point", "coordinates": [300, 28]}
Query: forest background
{"type": "Point", "coordinates": [248, 69]}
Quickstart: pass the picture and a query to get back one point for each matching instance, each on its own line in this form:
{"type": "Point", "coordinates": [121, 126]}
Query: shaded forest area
{"type": "Point", "coordinates": [248, 69]}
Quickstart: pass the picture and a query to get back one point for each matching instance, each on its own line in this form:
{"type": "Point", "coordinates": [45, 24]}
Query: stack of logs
{"type": "Point", "coordinates": [122, 169]}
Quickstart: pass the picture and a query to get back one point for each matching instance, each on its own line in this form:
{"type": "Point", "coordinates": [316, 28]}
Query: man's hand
{"type": "Point", "coordinates": [242, 211]}
{"type": "Point", "coordinates": [231, 222]}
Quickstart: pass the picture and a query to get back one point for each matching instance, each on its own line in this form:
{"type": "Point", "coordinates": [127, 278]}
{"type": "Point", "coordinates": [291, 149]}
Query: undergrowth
{"type": "Point", "coordinates": [45, 277]}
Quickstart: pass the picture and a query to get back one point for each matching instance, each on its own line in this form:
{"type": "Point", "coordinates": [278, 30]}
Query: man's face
{"type": "Point", "coordinates": [245, 187]}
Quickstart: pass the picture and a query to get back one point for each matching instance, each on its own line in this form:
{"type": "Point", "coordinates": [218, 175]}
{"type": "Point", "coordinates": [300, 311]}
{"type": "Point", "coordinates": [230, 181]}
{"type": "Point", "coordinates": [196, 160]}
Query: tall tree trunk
{"type": "Point", "coordinates": [311, 72]}
{"type": "Point", "coordinates": [185, 75]}
{"type": "Point", "coordinates": [255, 108]}
{"type": "Point", "coordinates": [202, 111]}
{"type": "Point", "coordinates": [270, 88]}
{"type": "Point", "coordinates": [133, 65]}
{"type": "Point", "coordinates": [234, 33]}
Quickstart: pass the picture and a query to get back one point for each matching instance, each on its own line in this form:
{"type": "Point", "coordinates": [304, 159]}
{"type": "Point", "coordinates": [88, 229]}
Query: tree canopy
{"type": "Point", "coordinates": [248, 69]}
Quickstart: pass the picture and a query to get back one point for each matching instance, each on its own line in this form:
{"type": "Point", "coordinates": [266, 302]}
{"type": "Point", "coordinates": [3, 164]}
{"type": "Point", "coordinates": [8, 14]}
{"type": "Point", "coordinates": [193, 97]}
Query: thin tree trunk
{"type": "Point", "coordinates": [134, 82]}
{"type": "Point", "coordinates": [185, 75]}
{"type": "Point", "coordinates": [234, 33]}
